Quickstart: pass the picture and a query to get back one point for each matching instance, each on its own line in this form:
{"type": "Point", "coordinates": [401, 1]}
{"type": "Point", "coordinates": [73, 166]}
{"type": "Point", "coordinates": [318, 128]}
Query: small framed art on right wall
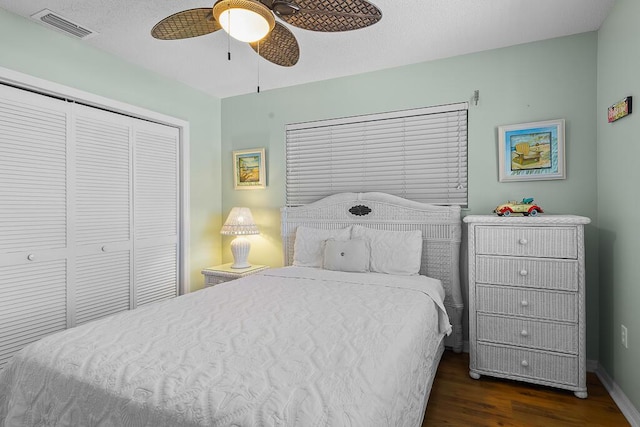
{"type": "Point", "coordinates": [531, 151]}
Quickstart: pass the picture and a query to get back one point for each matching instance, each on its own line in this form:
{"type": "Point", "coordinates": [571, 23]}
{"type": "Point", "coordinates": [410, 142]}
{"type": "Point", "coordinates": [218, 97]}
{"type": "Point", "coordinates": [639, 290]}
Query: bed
{"type": "Point", "coordinates": [293, 346]}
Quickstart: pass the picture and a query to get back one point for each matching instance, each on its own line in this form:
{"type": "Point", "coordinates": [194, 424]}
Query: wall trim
{"type": "Point", "coordinates": [36, 84]}
{"type": "Point", "coordinates": [626, 407]}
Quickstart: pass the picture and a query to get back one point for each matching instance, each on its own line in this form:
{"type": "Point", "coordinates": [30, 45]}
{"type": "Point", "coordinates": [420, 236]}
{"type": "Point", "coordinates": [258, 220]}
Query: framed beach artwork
{"type": "Point", "coordinates": [249, 172]}
{"type": "Point", "coordinates": [531, 151]}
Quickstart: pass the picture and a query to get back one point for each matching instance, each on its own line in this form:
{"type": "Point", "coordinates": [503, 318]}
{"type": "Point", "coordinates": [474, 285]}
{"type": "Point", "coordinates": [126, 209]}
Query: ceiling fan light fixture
{"type": "Point", "coordinates": [244, 20]}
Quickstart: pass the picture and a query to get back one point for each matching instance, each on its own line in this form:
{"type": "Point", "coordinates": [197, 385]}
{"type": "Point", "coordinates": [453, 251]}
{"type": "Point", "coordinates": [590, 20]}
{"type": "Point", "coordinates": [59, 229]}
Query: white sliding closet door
{"type": "Point", "coordinates": [101, 213]}
{"type": "Point", "coordinates": [156, 215]}
{"type": "Point", "coordinates": [89, 215]}
{"type": "Point", "coordinates": [33, 218]}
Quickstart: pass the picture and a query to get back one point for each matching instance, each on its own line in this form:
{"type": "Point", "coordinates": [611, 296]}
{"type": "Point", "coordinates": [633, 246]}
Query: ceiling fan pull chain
{"type": "Point", "coordinates": [229, 36]}
{"type": "Point", "coordinates": [258, 66]}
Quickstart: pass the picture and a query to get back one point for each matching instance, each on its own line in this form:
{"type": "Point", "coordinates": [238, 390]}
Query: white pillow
{"type": "Point", "coordinates": [346, 255]}
{"type": "Point", "coordinates": [392, 252]}
{"type": "Point", "coordinates": [307, 249]}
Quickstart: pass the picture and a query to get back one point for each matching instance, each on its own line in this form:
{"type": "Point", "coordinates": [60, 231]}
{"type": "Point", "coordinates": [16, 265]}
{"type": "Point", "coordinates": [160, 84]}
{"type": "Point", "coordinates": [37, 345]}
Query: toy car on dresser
{"type": "Point", "coordinates": [526, 207]}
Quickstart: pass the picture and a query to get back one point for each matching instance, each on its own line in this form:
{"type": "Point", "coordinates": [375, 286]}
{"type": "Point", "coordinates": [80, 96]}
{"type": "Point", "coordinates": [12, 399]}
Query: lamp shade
{"type": "Point", "coordinates": [239, 222]}
{"type": "Point", "coordinates": [244, 20]}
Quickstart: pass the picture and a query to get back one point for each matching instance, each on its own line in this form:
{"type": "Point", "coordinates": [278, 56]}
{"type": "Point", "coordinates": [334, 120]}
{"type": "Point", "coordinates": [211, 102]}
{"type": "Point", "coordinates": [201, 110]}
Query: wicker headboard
{"type": "Point", "coordinates": [441, 232]}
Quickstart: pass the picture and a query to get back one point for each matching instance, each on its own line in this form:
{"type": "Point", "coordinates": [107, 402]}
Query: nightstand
{"type": "Point", "coordinates": [224, 273]}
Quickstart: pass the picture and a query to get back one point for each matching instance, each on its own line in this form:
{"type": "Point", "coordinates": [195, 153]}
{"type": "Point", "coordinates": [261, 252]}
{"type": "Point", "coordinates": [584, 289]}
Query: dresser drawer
{"type": "Point", "coordinates": [528, 364]}
{"type": "Point", "coordinates": [561, 337]}
{"type": "Point", "coordinates": [541, 242]}
{"type": "Point", "coordinates": [527, 302]}
{"type": "Point", "coordinates": [528, 272]}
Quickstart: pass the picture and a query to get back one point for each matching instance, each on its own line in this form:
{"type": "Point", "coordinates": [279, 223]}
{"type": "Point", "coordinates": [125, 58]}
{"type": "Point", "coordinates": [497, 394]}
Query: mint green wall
{"type": "Point", "coordinates": [32, 49]}
{"type": "Point", "coordinates": [618, 203]}
{"type": "Point", "coordinates": [538, 81]}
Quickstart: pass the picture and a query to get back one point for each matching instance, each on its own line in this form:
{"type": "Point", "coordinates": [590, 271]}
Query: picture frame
{"type": "Point", "coordinates": [531, 151]}
{"type": "Point", "coordinates": [249, 170]}
{"type": "Point", "coordinates": [620, 109]}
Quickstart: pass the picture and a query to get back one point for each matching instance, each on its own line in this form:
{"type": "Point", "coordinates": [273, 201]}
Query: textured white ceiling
{"type": "Point", "coordinates": [410, 31]}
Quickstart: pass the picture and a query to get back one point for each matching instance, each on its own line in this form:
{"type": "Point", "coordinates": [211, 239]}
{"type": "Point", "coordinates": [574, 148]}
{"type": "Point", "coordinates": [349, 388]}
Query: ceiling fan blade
{"type": "Point", "coordinates": [186, 24]}
{"type": "Point", "coordinates": [279, 46]}
{"type": "Point", "coordinates": [333, 15]}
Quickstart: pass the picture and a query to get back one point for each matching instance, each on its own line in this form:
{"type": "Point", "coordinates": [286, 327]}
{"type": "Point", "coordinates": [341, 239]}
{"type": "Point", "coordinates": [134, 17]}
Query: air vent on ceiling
{"type": "Point", "coordinates": [52, 19]}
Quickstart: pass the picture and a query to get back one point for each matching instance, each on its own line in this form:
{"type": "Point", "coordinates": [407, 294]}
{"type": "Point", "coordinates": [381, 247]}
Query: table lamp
{"type": "Point", "coordinates": [240, 223]}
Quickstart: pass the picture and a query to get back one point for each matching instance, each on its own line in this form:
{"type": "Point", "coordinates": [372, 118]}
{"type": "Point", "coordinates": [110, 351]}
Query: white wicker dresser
{"type": "Point", "coordinates": [527, 299]}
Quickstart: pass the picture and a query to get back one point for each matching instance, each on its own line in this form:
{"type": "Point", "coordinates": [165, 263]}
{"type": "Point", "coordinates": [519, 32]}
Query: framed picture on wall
{"type": "Point", "coordinates": [249, 172]}
{"type": "Point", "coordinates": [531, 151]}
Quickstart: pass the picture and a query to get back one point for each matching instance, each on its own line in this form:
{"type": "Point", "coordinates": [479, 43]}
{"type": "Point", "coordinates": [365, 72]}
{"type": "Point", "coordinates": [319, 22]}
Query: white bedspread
{"type": "Point", "coordinates": [289, 347]}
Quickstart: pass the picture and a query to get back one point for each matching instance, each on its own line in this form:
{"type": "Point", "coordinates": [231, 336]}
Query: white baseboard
{"type": "Point", "coordinates": [626, 407]}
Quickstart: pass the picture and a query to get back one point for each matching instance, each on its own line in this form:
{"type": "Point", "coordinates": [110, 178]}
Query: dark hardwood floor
{"type": "Point", "coordinates": [458, 400]}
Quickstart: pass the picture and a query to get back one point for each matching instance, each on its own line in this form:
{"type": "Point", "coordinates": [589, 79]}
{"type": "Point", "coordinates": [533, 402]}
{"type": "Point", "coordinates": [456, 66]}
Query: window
{"type": "Point", "coordinates": [418, 154]}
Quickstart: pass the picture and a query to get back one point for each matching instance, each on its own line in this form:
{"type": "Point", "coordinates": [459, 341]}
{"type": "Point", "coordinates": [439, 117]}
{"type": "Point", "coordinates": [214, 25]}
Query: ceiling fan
{"type": "Point", "coordinates": [253, 21]}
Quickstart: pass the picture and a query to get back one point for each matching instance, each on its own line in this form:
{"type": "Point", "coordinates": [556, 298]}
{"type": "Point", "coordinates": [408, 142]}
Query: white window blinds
{"type": "Point", "coordinates": [418, 154]}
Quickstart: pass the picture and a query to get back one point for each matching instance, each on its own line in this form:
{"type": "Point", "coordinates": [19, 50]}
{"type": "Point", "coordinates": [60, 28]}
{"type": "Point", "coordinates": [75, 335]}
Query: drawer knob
{"type": "Point", "coordinates": [524, 333]}
{"type": "Point", "coordinates": [103, 249]}
{"type": "Point", "coordinates": [524, 363]}
{"type": "Point", "coordinates": [524, 303]}
{"type": "Point", "coordinates": [31, 257]}
{"type": "Point", "coordinates": [523, 272]}
{"type": "Point", "coordinates": [523, 241]}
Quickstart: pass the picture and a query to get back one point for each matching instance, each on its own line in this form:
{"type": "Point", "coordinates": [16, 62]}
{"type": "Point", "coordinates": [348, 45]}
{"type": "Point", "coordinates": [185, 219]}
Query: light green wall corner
{"type": "Point", "coordinates": [538, 81]}
{"type": "Point", "coordinates": [32, 49]}
{"type": "Point", "coordinates": [618, 201]}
